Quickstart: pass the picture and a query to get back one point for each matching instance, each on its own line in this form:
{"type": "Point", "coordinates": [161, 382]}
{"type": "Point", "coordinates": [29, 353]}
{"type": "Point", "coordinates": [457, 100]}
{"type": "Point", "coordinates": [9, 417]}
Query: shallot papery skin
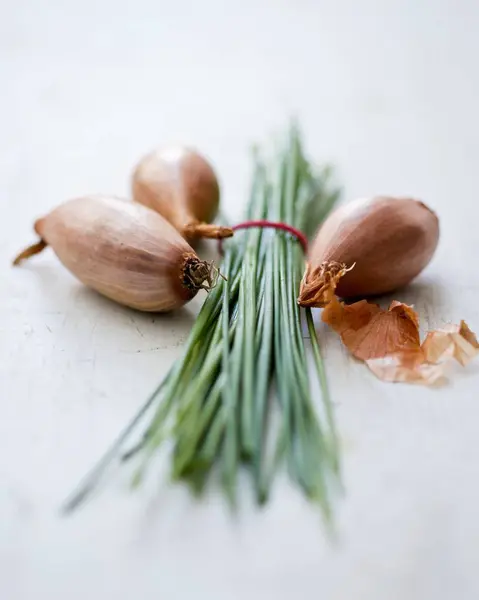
{"type": "Point", "coordinates": [388, 341]}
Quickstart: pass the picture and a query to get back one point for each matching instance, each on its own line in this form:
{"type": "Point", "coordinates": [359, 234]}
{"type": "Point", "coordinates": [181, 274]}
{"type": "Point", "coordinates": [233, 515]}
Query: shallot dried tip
{"type": "Point", "coordinates": [319, 283]}
{"type": "Point", "coordinates": [388, 341]}
{"type": "Point", "coordinates": [207, 230]}
{"type": "Point", "coordinates": [29, 252]}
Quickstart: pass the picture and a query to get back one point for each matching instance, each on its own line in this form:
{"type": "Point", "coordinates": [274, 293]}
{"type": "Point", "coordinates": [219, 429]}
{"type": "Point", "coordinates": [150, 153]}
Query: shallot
{"type": "Point", "coordinates": [124, 251]}
{"type": "Point", "coordinates": [180, 184]}
{"type": "Point", "coordinates": [369, 247]}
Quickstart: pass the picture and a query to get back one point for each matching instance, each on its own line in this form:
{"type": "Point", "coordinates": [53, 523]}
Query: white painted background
{"type": "Point", "coordinates": [386, 89]}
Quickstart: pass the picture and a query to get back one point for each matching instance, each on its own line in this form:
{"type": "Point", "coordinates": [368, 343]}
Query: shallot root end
{"type": "Point", "coordinates": [319, 283]}
{"type": "Point", "coordinates": [200, 274]}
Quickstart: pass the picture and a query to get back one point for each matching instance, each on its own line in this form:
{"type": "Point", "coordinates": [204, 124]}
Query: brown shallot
{"type": "Point", "coordinates": [180, 184]}
{"type": "Point", "coordinates": [369, 247]}
{"type": "Point", "coordinates": [124, 251]}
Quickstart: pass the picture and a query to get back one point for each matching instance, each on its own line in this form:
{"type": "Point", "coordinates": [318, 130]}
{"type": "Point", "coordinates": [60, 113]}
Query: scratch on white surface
{"type": "Point", "coordinates": [145, 350]}
{"type": "Point", "coordinates": [135, 325]}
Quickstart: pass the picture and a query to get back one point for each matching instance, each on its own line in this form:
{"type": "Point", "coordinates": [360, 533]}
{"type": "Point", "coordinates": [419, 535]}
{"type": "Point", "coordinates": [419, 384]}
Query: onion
{"type": "Point", "coordinates": [388, 241]}
{"type": "Point", "coordinates": [181, 185]}
{"type": "Point", "coordinates": [124, 251]}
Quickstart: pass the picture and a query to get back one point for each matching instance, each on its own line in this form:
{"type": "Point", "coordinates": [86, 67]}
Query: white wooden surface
{"type": "Point", "coordinates": [386, 89]}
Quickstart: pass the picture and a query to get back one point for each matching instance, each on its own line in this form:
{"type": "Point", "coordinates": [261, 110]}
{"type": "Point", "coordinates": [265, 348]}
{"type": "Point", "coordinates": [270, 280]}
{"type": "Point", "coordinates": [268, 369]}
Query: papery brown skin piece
{"type": "Point", "coordinates": [452, 341]}
{"type": "Point", "coordinates": [180, 184]}
{"type": "Point", "coordinates": [397, 368]}
{"type": "Point", "coordinates": [123, 250]}
{"type": "Point", "coordinates": [389, 342]}
{"type": "Point", "coordinates": [389, 240]}
{"type": "Point", "coordinates": [370, 332]}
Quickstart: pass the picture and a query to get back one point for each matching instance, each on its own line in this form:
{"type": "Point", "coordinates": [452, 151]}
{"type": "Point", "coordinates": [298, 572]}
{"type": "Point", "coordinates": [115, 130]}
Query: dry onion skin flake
{"type": "Point", "coordinates": [180, 184]}
{"type": "Point", "coordinates": [388, 341]}
{"type": "Point", "coordinates": [124, 251]}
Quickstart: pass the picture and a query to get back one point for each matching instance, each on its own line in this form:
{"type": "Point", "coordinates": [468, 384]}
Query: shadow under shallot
{"type": "Point", "coordinates": [51, 281]}
{"type": "Point", "coordinates": [82, 311]}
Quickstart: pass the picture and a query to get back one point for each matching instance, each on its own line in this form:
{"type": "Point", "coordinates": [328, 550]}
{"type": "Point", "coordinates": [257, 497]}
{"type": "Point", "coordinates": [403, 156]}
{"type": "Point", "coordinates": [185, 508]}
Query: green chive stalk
{"type": "Point", "coordinates": [246, 359]}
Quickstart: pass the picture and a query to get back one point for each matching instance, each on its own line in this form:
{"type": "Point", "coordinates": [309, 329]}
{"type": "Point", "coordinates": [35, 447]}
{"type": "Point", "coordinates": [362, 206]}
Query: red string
{"type": "Point", "coordinates": [265, 224]}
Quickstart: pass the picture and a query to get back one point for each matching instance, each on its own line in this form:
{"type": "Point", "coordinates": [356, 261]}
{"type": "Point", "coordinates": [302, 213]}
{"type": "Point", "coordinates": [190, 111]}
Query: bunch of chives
{"type": "Point", "coordinates": [245, 358]}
